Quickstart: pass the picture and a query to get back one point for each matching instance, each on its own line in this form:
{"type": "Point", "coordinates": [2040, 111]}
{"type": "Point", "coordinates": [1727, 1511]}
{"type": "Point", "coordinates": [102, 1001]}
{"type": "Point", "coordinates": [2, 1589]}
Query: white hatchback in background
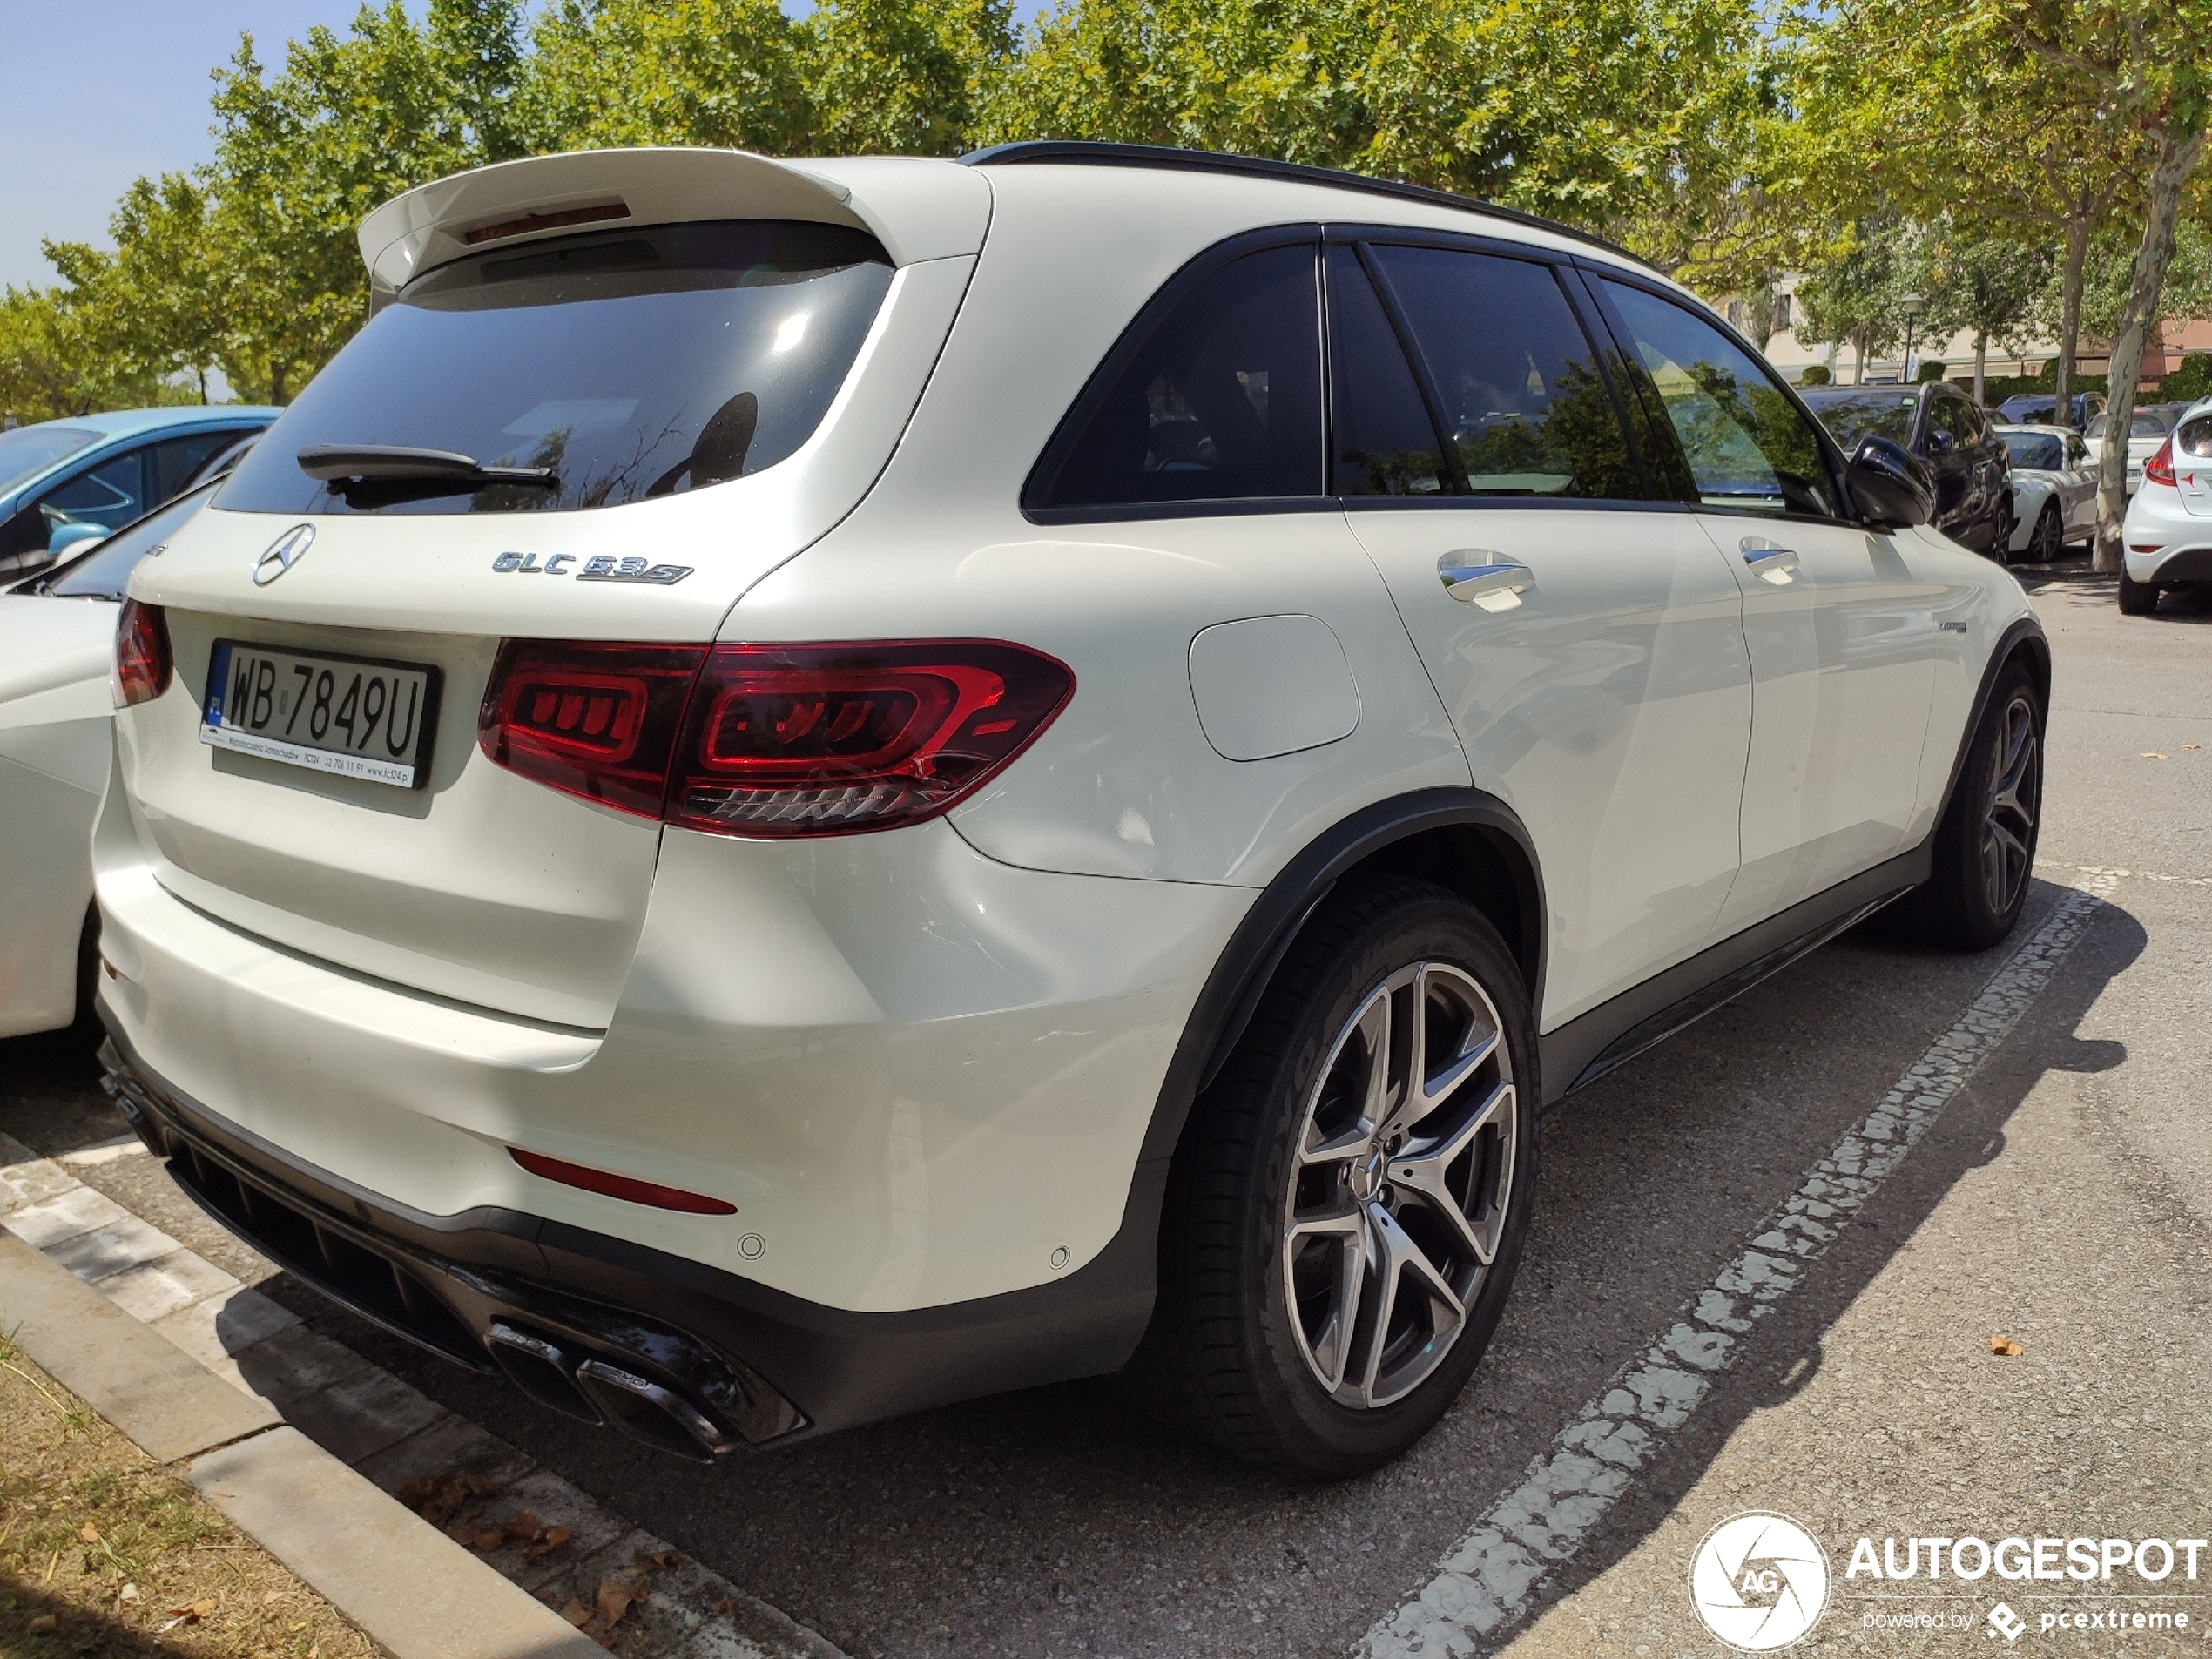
{"type": "Point", "coordinates": [2147, 427]}
{"type": "Point", "coordinates": [794, 790]}
{"type": "Point", "coordinates": [2055, 490]}
{"type": "Point", "coordinates": [2168, 533]}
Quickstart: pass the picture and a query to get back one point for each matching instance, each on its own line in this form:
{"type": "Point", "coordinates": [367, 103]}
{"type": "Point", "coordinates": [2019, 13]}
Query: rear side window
{"type": "Point", "coordinates": [1746, 444]}
{"type": "Point", "coordinates": [1220, 400]}
{"type": "Point", "coordinates": [1525, 406]}
{"type": "Point", "coordinates": [632, 363]}
{"type": "Point", "coordinates": [1383, 442]}
{"type": "Point", "coordinates": [177, 459]}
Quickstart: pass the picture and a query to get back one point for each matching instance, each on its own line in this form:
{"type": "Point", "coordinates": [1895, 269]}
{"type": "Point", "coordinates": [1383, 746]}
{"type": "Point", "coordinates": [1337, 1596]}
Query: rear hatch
{"type": "Point", "coordinates": [599, 396]}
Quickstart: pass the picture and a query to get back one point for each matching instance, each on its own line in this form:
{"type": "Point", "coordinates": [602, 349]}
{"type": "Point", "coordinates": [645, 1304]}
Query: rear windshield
{"type": "Point", "coordinates": [2144, 424]}
{"type": "Point", "coordinates": [2039, 451]}
{"type": "Point", "coordinates": [628, 363]}
{"type": "Point", "coordinates": [1867, 414]}
{"type": "Point", "coordinates": [31, 449]}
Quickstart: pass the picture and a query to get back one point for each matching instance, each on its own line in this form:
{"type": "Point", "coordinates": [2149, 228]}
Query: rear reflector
{"type": "Point", "coordinates": [620, 1186]}
{"type": "Point", "coordinates": [143, 663]}
{"type": "Point", "coordinates": [770, 740]}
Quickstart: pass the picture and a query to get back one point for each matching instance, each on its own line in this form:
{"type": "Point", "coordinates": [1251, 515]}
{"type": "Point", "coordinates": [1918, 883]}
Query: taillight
{"type": "Point", "coordinates": [594, 720]}
{"type": "Point", "coordinates": [143, 663]}
{"type": "Point", "coordinates": [2159, 470]}
{"type": "Point", "coordinates": [770, 740]}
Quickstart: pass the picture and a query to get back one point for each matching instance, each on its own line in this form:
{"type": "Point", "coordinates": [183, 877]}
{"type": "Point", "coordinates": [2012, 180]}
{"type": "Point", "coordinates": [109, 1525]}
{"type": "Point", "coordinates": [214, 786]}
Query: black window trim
{"type": "Point", "coordinates": [1625, 341]}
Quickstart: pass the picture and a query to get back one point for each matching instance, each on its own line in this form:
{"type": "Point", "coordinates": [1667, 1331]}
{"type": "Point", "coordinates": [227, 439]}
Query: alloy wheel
{"type": "Point", "coordinates": [1403, 1173]}
{"type": "Point", "coordinates": [2047, 546]}
{"type": "Point", "coordinates": [2008, 823]}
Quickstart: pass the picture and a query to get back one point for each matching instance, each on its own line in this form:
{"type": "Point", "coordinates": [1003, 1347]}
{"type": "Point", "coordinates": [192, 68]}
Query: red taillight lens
{"type": "Point", "coordinates": [769, 740]}
{"type": "Point", "coordinates": [594, 720]}
{"type": "Point", "coordinates": [620, 1186]}
{"type": "Point", "coordinates": [830, 740]}
{"type": "Point", "coordinates": [142, 663]}
{"type": "Point", "coordinates": [2159, 470]}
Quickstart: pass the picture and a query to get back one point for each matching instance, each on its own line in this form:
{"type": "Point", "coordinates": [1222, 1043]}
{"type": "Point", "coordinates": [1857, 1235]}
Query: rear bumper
{"type": "Point", "coordinates": [2164, 541]}
{"type": "Point", "coordinates": [556, 1307]}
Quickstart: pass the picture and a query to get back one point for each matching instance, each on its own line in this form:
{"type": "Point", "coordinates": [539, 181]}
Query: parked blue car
{"type": "Point", "coordinates": [75, 480]}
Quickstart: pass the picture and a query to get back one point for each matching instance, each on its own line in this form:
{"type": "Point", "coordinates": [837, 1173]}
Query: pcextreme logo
{"type": "Point", "coordinates": [1758, 1582]}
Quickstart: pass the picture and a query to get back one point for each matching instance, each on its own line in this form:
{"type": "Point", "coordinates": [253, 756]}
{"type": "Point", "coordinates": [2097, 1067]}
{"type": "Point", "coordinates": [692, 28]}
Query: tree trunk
{"type": "Point", "coordinates": [1858, 364]}
{"type": "Point", "coordinates": [2178, 159]}
{"type": "Point", "coordinates": [1981, 367]}
{"type": "Point", "coordinates": [2077, 252]}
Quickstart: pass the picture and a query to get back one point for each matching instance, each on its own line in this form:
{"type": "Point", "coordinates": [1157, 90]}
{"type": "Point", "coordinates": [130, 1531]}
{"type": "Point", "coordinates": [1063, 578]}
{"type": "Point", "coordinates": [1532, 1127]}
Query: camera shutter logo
{"type": "Point", "coordinates": [1758, 1582]}
{"type": "Point", "coordinates": [283, 553]}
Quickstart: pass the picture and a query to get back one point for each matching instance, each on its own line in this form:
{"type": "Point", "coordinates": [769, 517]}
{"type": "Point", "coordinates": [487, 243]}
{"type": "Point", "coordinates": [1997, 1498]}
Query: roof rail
{"type": "Point", "coordinates": [1084, 153]}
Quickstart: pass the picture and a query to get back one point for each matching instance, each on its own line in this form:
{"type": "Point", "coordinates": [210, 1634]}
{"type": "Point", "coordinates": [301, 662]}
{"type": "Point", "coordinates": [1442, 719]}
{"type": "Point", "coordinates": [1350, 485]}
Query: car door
{"type": "Point", "coordinates": [2078, 488]}
{"type": "Point", "coordinates": [1947, 446]}
{"type": "Point", "coordinates": [1843, 634]}
{"type": "Point", "coordinates": [1587, 641]}
{"type": "Point", "coordinates": [1991, 484]}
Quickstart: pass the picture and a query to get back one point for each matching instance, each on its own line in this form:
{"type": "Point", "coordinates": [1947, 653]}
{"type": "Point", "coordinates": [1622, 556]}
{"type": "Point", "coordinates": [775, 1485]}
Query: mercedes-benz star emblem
{"type": "Point", "coordinates": [283, 553]}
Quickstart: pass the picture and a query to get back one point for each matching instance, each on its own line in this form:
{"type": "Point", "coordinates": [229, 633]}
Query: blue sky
{"type": "Point", "coordinates": [102, 90]}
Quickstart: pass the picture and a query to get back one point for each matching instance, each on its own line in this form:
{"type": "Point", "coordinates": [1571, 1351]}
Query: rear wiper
{"type": "Point", "coordinates": [374, 463]}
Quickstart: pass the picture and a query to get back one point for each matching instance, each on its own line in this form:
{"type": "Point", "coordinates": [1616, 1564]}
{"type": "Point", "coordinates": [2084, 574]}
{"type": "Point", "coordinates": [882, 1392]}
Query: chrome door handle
{"type": "Point", "coordinates": [1769, 562]}
{"type": "Point", "coordinates": [1477, 575]}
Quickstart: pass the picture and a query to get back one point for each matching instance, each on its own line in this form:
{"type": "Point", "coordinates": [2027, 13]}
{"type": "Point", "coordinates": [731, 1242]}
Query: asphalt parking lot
{"type": "Point", "coordinates": [2061, 1196]}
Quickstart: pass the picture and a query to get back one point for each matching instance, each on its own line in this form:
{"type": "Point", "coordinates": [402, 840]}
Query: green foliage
{"type": "Point", "coordinates": [1930, 370]}
{"type": "Point", "coordinates": [2192, 380]}
{"type": "Point", "coordinates": [605, 73]}
{"type": "Point", "coordinates": [1814, 374]}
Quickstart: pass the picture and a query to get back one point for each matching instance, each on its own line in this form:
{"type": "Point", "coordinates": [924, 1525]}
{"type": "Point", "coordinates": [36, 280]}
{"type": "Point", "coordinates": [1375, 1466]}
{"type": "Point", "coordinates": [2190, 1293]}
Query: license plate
{"type": "Point", "coordinates": [352, 716]}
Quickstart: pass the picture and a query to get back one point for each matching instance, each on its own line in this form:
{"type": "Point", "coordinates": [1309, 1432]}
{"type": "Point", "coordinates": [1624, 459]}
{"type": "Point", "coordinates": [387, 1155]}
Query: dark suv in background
{"type": "Point", "coordinates": [1944, 428]}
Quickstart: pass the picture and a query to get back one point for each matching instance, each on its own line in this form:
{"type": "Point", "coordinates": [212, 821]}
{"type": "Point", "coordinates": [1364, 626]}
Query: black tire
{"type": "Point", "coordinates": [88, 973]}
{"type": "Point", "coordinates": [1985, 846]}
{"type": "Point", "coordinates": [1228, 1354]}
{"type": "Point", "coordinates": [2136, 599]}
{"type": "Point", "coordinates": [2047, 543]}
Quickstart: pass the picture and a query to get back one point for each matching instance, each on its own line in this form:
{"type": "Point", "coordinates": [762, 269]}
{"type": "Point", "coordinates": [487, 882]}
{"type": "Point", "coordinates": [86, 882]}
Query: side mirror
{"type": "Point", "coordinates": [1889, 487]}
{"type": "Point", "coordinates": [1941, 442]}
{"type": "Point", "coordinates": [67, 536]}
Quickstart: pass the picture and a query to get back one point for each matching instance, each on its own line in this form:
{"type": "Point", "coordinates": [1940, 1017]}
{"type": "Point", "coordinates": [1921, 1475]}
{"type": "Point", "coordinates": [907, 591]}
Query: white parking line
{"type": "Point", "coordinates": [1488, 1579]}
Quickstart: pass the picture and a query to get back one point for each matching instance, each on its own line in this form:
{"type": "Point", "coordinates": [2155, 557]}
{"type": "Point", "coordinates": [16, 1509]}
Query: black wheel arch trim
{"type": "Point", "coordinates": [1256, 949]}
{"type": "Point", "coordinates": [2023, 639]}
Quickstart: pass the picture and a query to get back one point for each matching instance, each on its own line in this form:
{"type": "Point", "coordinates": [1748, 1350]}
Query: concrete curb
{"type": "Point", "coordinates": [409, 1587]}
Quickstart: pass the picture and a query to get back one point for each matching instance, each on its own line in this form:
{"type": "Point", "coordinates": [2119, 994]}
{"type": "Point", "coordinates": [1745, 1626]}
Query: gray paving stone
{"type": "Point", "coordinates": [295, 1362]}
{"type": "Point", "coordinates": [215, 1329]}
{"type": "Point", "coordinates": [354, 1419]}
{"type": "Point", "coordinates": [25, 1179]}
{"type": "Point", "coordinates": [556, 1503]}
{"type": "Point", "coordinates": [156, 1288]}
{"type": "Point", "coordinates": [452, 1446]}
{"type": "Point", "coordinates": [107, 1250]}
{"type": "Point", "coordinates": [66, 1215]}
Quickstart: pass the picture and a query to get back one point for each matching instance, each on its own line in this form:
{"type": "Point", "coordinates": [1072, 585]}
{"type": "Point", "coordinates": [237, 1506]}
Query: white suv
{"type": "Point", "coordinates": [794, 791]}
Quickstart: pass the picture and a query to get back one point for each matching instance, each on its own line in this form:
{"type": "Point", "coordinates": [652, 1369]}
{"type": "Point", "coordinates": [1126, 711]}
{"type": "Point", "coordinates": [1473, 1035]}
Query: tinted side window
{"type": "Point", "coordinates": [175, 461]}
{"type": "Point", "coordinates": [1524, 404]}
{"type": "Point", "coordinates": [1220, 400]}
{"type": "Point", "coordinates": [1382, 441]}
{"type": "Point", "coordinates": [1744, 441]}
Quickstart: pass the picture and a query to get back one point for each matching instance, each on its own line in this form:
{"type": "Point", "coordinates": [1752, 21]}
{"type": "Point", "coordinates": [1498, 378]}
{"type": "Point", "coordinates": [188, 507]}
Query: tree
{"type": "Point", "coordinates": [150, 308]}
{"type": "Point", "coordinates": [1857, 297]}
{"type": "Point", "coordinates": [903, 77]}
{"type": "Point", "coordinates": [1960, 113]}
{"type": "Point", "coordinates": [1989, 288]}
{"type": "Point", "coordinates": [715, 72]}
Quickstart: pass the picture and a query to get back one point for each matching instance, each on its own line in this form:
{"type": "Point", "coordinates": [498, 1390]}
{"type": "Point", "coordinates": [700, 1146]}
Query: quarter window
{"type": "Point", "coordinates": [1383, 442]}
{"type": "Point", "coordinates": [1525, 406]}
{"type": "Point", "coordinates": [1220, 400]}
{"type": "Point", "coordinates": [1746, 443]}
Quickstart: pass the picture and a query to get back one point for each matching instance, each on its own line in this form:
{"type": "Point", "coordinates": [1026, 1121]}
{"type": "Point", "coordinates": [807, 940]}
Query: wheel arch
{"type": "Point", "coordinates": [2024, 642]}
{"type": "Point", "coordinates": [1465, 839]}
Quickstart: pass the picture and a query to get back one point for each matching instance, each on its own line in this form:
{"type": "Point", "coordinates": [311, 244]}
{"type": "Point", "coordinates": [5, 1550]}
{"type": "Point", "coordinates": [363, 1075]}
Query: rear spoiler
{"type": "Point", "coordinates": [919, 209]}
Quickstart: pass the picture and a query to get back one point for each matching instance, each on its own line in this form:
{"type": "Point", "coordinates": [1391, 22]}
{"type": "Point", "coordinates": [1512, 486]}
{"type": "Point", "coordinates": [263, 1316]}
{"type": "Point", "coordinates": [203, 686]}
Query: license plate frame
{"type": "Point", "coordinates": [373, 760]}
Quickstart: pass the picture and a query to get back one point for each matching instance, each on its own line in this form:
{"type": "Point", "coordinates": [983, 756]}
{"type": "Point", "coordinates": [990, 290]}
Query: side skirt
{"type": "Point", "coordinates": [1584, 1050]}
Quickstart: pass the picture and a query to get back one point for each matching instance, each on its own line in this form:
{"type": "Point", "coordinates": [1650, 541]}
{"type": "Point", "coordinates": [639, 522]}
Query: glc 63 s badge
{"type": "Point", "coordinates": [600, 566]}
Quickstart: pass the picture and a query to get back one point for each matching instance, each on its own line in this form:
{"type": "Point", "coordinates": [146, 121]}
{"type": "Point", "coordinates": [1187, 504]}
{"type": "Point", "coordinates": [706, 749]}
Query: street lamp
{"type": "Point", "coordinates": [1912, 302]}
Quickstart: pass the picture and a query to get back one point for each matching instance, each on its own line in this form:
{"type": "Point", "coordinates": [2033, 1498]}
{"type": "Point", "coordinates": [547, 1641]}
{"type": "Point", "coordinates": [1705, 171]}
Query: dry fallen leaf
{"type": "Point", "coordinates": [128, 1593]}
{"type": "Point", "coordinates": [489, 1538]}
{"type": "Point", "coordinates": [44, 1624]}
{"type": "Point", "coordinates": [552, 1540]}
{"type": "Point", "coordinates": [577, 1614]}
{"type": "Point", "coordinates": [664, 1559]}
{"type": "Point", "coordinates": [2006, 1346]}
{"type": "Point", "coordinates": [723, 1605]}
{"type": "Point", "coordinates": [523, 1525]}
{"type": "Point", "coordinates": [616, 1597]}
{"type": "Point", "coordinates": [2192, 745]}
{"type": "Point", "coordinates": [88, 1533]}
{"type": "Point", "coordinates": [2152, 754]}
{"type": "Point", "coordinates": [442, 1498]}
{"type": "Point", "coordinates": [196, 1610]}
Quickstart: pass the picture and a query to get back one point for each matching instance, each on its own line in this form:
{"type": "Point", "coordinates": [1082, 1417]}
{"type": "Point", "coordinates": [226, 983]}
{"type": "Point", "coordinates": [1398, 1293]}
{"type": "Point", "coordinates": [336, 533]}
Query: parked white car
{"type": "Point", "coordinates": [2054, 491]}
{"type": "Point", "coordinates": [2168, 532]}
{"type": "Point", "coordinates": [2147, 428]}
{"type": "Point", "coordinates": [56, 673]}
{"type": "Point", "coordinates": [794, 790]}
